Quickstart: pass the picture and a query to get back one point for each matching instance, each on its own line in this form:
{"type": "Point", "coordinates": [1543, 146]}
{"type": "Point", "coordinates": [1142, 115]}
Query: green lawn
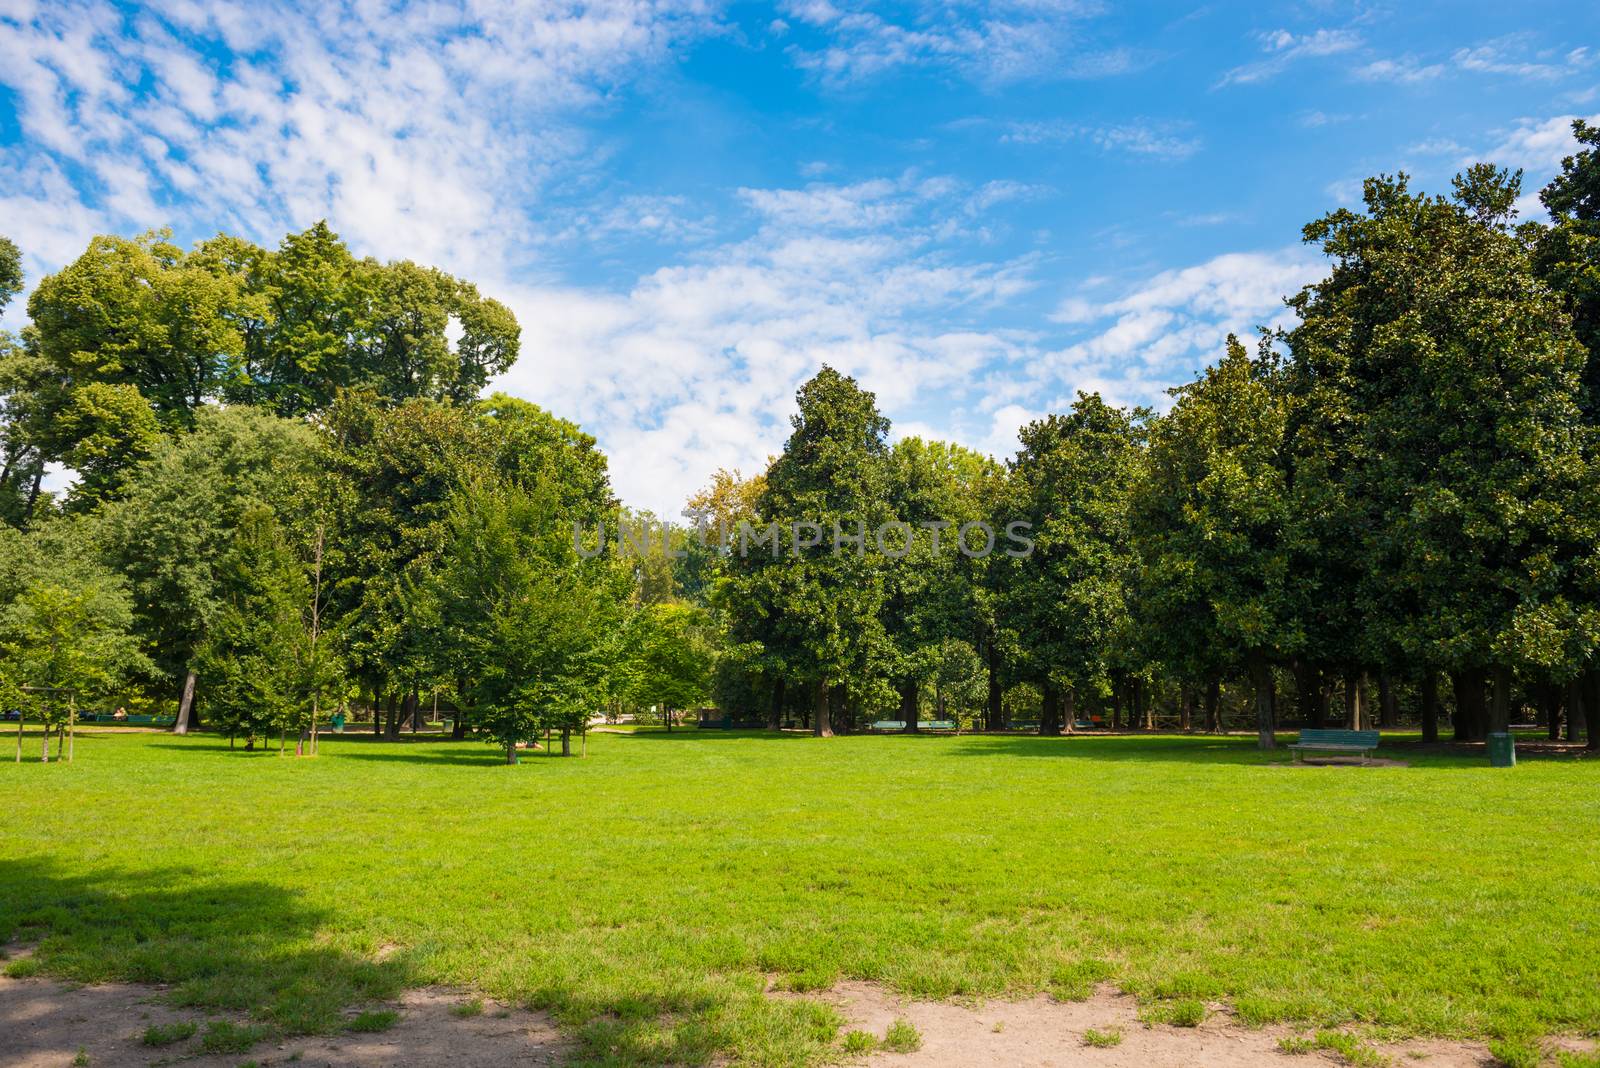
{"type": "Point", "coordinates": [646, 893]}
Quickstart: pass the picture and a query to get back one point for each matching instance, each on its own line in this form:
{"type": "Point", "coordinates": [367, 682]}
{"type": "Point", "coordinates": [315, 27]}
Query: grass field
{"type": "Point", "coordinates": [647, 893]}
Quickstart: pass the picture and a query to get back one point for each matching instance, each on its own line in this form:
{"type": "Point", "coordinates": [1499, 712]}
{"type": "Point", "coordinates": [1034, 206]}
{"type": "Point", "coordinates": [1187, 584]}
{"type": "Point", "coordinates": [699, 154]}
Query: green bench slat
{"type": "Point", "coordinates": [1353, 739]}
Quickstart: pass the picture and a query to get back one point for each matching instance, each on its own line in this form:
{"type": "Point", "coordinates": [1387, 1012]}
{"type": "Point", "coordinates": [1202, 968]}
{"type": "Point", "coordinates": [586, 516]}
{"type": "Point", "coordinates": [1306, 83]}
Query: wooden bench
{"type": "Point", "coordinates": [1329, 743]}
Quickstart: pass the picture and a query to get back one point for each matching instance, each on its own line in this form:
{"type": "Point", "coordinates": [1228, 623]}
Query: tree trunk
{"type": "Point", "coordinates": [1352, 701]}
{"type": "Point", "coordinates": [822, 715]}
{"type": "Point", "coordinates": [1388, 702]}
{"type": "Point", "coordinates": [1069, 710]}
{"type": "Point", "coordinates": [908, 703]}
{"type": "Point", "coordinates": [411, 710]}
{"type": "Point", "coordinates": [1430, 705]}
{"type": "Point", "coordinates": [1050, 713]}
{"type": "Point", "coordinates": [566, 741]}
{"type": "Point", "coordinates": [775, 711]}
{"type": "Point", "coordinates": [511, 752]}
{"type": "Point", "coordinates": [1308, 697]}
{"type": "Point", "coordinates": [185, 704]}
{"type": "Point", "coordinates": [1592, 700]}
{"type": "Point", "coordinates": [1577, 712]}
{"type": "Point", "coordinates": [1500, 708]}
{"type": "Point", "coordinates": [1472, 717]}
{"type": "Point", "coordinates": [1214, 707]}
{"type": "Point", "coordinates": [1550, 704]}
{"type": "Point", "coordinates": [391, 723]}
{"type": "Point", "coordinates": [1185, 708]}
{"type": "Point", "coordinates": [1261, 679]}
{"type": "Point", "coordinates": [995, 704]}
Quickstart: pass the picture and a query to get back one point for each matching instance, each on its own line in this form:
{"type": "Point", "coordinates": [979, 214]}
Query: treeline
{"type": "Point", "coordinates": [1401, 490]}
{"type": "Point", "coordinates": [289, 502]}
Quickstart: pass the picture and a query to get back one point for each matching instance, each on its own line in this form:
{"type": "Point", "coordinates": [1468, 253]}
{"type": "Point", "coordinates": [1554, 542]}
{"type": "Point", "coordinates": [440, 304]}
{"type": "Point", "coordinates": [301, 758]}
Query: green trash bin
{"type": "Point", "coordinates": [1502, 751]}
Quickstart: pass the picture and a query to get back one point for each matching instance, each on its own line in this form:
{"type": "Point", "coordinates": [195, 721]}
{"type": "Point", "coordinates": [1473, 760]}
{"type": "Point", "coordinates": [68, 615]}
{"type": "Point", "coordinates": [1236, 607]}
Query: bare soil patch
{"type": "Point", "coordinates": [1044, 1033]}
{"type": "Point", "coordinates": [46, 1024]}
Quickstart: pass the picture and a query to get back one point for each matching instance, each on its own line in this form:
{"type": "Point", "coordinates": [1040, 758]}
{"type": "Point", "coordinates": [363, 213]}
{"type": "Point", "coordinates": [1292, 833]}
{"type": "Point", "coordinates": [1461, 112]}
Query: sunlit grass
{"type": "Point", "coordinates": [649, 894]}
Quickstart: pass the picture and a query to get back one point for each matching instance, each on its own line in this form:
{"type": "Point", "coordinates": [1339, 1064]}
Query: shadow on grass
{"type": "Point", "coordinates": [245, 946]}
{"type": "Point", "coordinates": [425, 750]}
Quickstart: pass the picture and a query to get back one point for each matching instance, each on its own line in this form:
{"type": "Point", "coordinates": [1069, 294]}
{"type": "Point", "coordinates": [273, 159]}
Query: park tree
{"type": "Point", "coordinates": [530, 618]}
{"type": "Point", "coordinates": [66, 624]}
{"type": "Point", "coordinates": [1209, 514]}
{"type": "Point", "coordinates": [21, 460]}
{"type": "Point", "coordinates": [392, 474]}
{"type": "Point", "coordinates": [669, 657]}
{"type": "Point", "coordinates": [819, 588]}
{"type": "Point", "coordinates": [1567, 256]}
{"type": "Point", "coordinates": [1065, 601]}
{"type": "Point", "coordinates": [250, 660]}
{"type": "Point", "coordinates": [1460, 378]}
{"type": "Point", "coordinates": [932, 588]}
{"type": "Point", "coordinates": [174, 529]}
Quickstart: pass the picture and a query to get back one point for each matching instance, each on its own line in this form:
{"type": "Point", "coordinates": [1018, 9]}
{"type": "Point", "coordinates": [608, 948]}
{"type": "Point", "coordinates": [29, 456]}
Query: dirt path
{"type": "Point", "coordinates": [1044, 1033]}
{"type": "Point", "coordinates": [45, 1024]}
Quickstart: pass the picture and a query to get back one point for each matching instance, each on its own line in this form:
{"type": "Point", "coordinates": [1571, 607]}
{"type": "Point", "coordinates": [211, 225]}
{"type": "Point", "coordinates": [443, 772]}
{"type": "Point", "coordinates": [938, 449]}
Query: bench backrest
{"type": "Point", "coordinates": [889, 725]}
{"type": "Point", "coordinates": [1329, 737]}
{"type": "Point", "coordinates": [941, 724]}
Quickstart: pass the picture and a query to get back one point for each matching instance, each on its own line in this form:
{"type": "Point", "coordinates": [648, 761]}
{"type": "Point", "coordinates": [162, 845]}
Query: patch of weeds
{"type": "Point", "coordinates": [82, 1059]}
{"type": "Point", "coordinates": [22, 968]}
{"type": "Point", "coordinates": [1186, 1013]}
{"type": "Point", "coordinates": [1296, 1045]}
{"type": "Point", "coordinates": [1102, 1039]}
{"type": "Point", "coordinates": [999, 1025]}
{"type": "Point", "coordinates": [468, 1008]}
{"type": "Point", "coordinates": [1350, 1049]}
{"type": "Point", "coordinates": [167, 1034]}
{"type": "Point", "coordinates": [1568, 1059]}
{"type": "Point", "coordinates": [224, 1036]}
{"type": "Point", "coordinates": [374, 1020]}
{"type": "Point", "coordinates": [1516, 1053]}
{"type": "Point", "coordinates": [859, 1043]}
{"type": "Point", "coordinates": [902, 1037]}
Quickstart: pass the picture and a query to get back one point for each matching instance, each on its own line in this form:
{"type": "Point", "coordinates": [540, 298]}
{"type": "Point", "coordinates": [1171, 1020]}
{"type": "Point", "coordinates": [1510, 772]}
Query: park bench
{"type": "Point", "coordinates": [1331, 743]}
{"type": "Point", "coordinates": [889, 725]}
{"type": "Point", "coordinates": [940, 724]}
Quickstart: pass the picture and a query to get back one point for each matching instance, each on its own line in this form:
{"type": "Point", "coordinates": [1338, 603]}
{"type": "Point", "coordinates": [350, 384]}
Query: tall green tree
{"type": "Point", "coordinates": [1460, 377]}
{"type": "Point", "coordinates": [821, 595]}
{"type": "Point", "coordinates": [531, 618]}
{"type": "Point", "coordinates": [172, 532]}
{"type": "Point", "coordinates": [1065, 601]}
{"type": "Point", "coordinates": [1209, 517]}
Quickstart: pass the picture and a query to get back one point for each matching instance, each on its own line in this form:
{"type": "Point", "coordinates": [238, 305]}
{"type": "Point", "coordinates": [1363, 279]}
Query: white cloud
{"type": "Point", "coordinates": [1283, 49]}
{"type": "Point", "coordinates": [994, 43]}
{"type": "Point", "coordinates": [1537, 146]}
{"type": "Point", "coordinates": [1155, 139]}
{"type": "Point", "coordinates": [695, 365]}
{"type": "Point", "coordinates": [412, 127]}
{"type": "Point", "coordinates": [1164, 329]}
{"type": "Point", "coordinates": [1406, 70]}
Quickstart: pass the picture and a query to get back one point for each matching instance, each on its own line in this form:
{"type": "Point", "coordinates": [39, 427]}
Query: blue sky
{"type": "Point", "coordinates": [975, 208]}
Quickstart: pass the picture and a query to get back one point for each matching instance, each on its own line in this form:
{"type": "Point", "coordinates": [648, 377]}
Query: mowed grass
{"type": "Point", "coordinates": [649, 894]}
